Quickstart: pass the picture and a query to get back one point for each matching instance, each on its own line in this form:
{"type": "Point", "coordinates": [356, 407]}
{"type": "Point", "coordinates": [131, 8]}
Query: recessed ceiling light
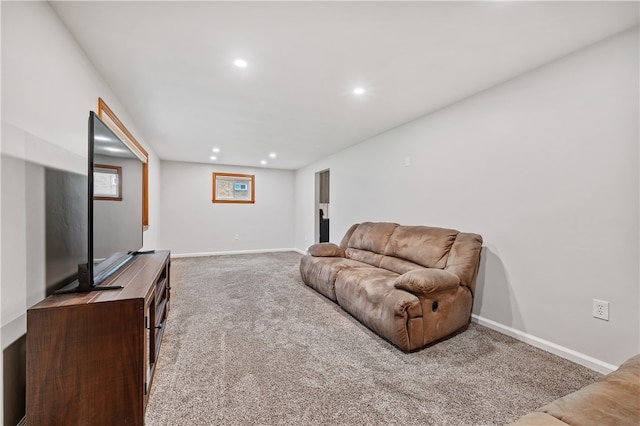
{"type": "Point", "coordinates": [240, 63]}
{"type": "Point", "coordinates": [263, 162]}
{"type": "Point", "coordinates": [358, 90]}
{"type": "Point", "coordinates": [272, 155]}
{"type": "Point", "coordinates": [213, 157]}
{"type": "Point", "coordinates": [216, 150]}
{"type": "Point", "coordinates": [112, 149]}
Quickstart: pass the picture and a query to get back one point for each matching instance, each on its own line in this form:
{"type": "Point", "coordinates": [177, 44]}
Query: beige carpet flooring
{"type": "Point", "coordinates": [247, 343]}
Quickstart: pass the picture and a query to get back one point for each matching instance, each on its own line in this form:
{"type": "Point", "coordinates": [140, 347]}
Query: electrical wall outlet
{"type": "Point", "coordinates": [236, 237]}
{"type": "Point", "coordinates": [601, 309]}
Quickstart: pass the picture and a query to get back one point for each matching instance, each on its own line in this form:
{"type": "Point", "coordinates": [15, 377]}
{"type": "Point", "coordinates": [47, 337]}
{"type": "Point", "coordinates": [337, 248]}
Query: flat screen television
{"type": "Point", "coordinates": [114, 208]}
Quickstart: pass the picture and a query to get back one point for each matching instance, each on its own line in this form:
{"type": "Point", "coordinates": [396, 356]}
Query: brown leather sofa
{"type": "Point", "coordinates": [412, 285]}
{"type": "Point", "coordinates": [612, 400]}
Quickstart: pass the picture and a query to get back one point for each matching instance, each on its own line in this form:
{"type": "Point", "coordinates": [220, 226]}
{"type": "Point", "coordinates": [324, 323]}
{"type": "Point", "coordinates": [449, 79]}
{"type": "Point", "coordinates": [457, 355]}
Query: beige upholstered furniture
{"type": "Point", "coordinates": [412, 285]}
{"type": "Point", "coordinates": [612, 400]}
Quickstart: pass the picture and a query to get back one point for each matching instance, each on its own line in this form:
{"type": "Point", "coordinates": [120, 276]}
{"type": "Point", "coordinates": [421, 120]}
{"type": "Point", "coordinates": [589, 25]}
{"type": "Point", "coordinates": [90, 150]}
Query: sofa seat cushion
{"type": "Point", "coordinates": [538, 419]}
{"type": "Point", "coordinates": [370, 296]}
{"type": "Point", "coordinates": [320, 273]}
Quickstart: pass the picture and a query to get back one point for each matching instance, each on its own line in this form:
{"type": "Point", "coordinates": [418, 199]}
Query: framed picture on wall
{"type": "Point", "coordinates": [233, 188]}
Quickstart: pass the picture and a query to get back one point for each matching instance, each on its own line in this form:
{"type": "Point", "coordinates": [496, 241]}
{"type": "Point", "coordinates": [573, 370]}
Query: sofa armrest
{"type": "Point", "coordinates": [326, 250]}
{"type": "Point", "coordinates": [426, 281]}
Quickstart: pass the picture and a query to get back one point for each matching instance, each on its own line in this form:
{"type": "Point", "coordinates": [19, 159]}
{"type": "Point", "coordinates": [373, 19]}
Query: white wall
{"type": "Point", "coordinates": [545, 167]}
{"type": "Point", "coordinates": [192, 224]}
{"type": "Point", "coordinates": [48, 88]}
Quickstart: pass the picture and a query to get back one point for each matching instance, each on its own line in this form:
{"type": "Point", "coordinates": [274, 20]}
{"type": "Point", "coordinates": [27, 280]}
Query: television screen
{"type": "Point", "coordinates": [117, 201]}
{"type": "Point", "coordinates": [94, 221]}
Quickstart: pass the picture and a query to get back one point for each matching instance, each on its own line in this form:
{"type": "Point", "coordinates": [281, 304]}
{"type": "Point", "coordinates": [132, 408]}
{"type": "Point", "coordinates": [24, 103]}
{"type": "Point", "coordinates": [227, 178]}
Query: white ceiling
{"type": "Point", "coordinates": [171, 65]}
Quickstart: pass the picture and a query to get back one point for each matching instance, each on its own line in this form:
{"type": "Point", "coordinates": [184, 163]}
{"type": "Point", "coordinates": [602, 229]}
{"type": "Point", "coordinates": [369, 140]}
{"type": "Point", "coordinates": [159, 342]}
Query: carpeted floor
{"type": "Point", "coordinates": [247, 343]}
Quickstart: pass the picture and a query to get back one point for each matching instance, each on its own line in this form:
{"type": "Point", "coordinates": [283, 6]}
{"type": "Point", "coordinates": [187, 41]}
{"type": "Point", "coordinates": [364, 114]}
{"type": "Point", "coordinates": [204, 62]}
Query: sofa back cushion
{"type": "Point", "coordinates": [345, 240]}
{"type": "Point", "coordinates": [423, 245]}
{"type": "Point", "coordinates": [368, 242]}
{"type": "Point", "coordinates": [401, 249]}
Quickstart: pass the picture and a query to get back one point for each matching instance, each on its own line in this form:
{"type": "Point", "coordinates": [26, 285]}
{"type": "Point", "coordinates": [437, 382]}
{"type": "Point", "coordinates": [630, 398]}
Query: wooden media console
{"type": "Point", "coordinates": [91, 356]}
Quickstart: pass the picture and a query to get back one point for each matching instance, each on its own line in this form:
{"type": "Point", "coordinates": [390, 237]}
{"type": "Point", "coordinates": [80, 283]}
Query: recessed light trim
{"type": "Point", "coordinates": [358, 90]}
{"type": "Point", "coordinates": [216, 150]}
{"type": "Point", "coordinates": [263, 162]}
{"type": "Point", "coordinates": [213, 157]}
{"type": "Point", "coordinates": [272, 155]}
{"type": "Point", "coordinates": [240, 63]}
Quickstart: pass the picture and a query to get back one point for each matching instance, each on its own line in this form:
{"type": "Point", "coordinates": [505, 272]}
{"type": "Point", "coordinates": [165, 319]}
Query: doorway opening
{"type": "Point", "coordinates": [322, 207]}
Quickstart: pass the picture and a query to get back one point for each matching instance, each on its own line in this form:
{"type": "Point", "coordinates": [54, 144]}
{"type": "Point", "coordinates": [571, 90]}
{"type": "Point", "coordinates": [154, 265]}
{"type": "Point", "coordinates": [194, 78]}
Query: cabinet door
{"type": "Point", "coordinates": [149, 358]}
{"type": "Point", "coordinates": [84, 364]}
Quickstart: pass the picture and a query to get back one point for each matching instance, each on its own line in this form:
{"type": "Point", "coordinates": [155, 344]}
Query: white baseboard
{"type": "Point", "coordinates": [561, 351]}
{"type": "Point", "coordinates": [223, 253]}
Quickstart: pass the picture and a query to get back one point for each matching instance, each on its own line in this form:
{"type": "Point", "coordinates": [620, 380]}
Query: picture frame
{"type": "Point", "coordinates": [233, 188]}
{"type": "Point", "coordinates": [107, 182]}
